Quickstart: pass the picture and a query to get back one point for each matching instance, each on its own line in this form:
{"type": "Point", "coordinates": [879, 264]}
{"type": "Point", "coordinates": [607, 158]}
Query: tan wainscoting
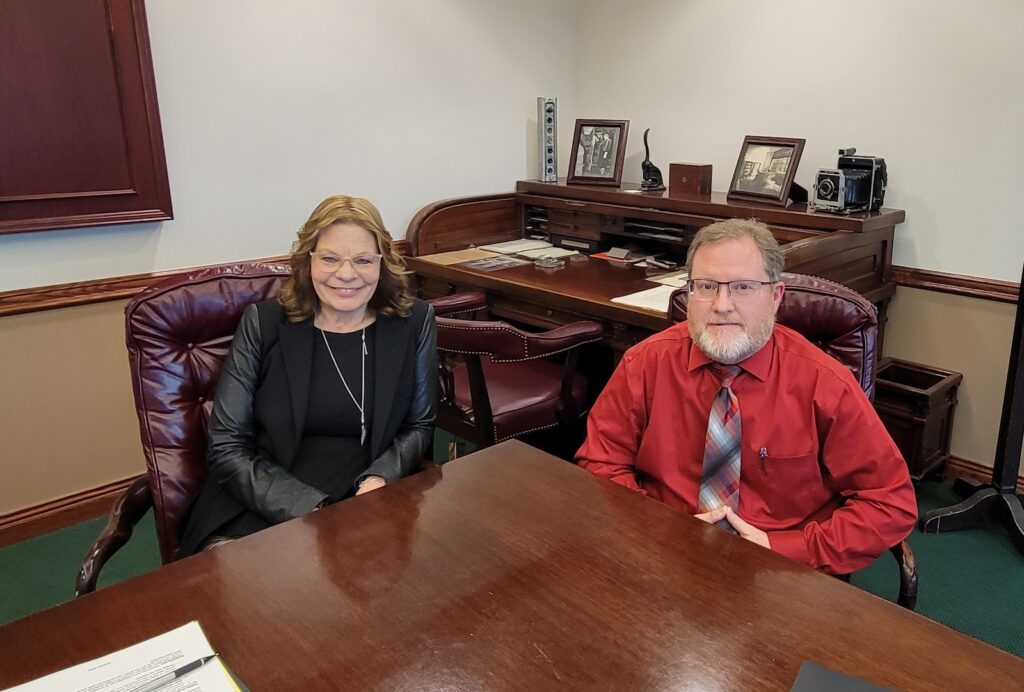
{"type": "Point", "coordinates": [965, 468]}
{"type": "Point", "coordinates": [60, 513]}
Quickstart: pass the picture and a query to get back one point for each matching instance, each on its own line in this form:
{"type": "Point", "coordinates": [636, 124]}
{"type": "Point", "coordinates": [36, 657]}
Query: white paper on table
{"type": "Point", "coordinates": [512, 247]}
{"type": "Point", "coordinates": [652, 299]}
{"type": "Point", "coordinates": [457, 256]}
{"type": "Point", "coordinates": [135, 666]}
{"type": "Point", "coordinates": [675, 279]}
{"type": "Point", "coordinates": [548, 252]}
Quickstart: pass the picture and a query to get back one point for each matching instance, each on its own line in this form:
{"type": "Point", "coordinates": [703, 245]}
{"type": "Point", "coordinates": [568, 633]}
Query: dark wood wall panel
{"type": "Point", "coordinates": [80, 143]}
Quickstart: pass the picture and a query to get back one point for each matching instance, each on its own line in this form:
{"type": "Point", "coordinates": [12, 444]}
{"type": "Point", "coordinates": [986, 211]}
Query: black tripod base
{"type": "Point", "coordinates": [986, 501]}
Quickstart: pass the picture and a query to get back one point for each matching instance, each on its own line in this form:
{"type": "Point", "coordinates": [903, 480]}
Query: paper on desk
{"type": "Point", "coordinates": [512, 247]}
{"type": "Point", "coordinates": [138, 665]}
{"type": "Point", "coordinates": [548, 252]}
{"type": "Point", "coordinates": [675, 279]}
{"type": "Point", "coordinates": [457, 256]}
{"type": "Point", "coordinates": [652, 299]}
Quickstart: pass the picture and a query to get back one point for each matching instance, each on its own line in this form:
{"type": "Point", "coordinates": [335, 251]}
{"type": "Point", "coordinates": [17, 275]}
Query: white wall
{"type": "Point", "coordinates": [268, 107]}
{"type": "Point", "coordinates": [937, 88]}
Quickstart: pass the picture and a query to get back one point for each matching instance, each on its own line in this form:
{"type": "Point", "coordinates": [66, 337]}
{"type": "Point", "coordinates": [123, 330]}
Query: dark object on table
{"type": "Point", "coordinates": [856, 184]}
{"type": "Point", "coordinates": [916, 403]}
{"type": "Point", "coordinates": [813, 677]}
{"type": "Point", "coordinates": [652, 182]}
{"type": "Point", "coordinates": [1000, 497]}
{"type": "Point", "coordinates": [689, 179]}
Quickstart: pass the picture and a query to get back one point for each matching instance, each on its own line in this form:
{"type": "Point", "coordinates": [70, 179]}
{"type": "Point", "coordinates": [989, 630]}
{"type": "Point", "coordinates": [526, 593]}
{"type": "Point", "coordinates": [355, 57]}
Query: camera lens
{"type": "Point", "coordinates": [826, 188]}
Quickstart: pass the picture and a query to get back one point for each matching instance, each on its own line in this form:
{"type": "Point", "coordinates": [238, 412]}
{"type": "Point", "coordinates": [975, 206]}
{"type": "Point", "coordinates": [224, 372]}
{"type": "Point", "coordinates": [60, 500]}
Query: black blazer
{"type": "Point", "coordinates": [260, 409]}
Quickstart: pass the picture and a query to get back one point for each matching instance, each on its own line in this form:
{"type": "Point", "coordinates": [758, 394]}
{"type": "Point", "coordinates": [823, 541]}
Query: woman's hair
{"type": "Point", "coordinates": [297, 296]}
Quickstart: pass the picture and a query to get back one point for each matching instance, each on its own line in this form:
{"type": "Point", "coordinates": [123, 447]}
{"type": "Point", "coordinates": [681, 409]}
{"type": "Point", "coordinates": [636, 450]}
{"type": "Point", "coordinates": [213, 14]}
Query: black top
{"type": "Point", "coordinates": [330, 456]}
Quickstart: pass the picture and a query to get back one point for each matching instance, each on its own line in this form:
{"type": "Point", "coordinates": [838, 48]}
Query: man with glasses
{"type": "Point", "coordinates": [745, 424]}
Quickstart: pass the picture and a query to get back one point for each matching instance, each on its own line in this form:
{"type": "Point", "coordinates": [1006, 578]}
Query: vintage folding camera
{"type": "Point", "coordinates": [857, 184]}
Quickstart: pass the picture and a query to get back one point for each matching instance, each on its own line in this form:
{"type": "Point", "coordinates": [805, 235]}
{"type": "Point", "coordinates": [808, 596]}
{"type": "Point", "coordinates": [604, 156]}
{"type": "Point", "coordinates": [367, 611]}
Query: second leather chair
{"type": "Point", "coordinates": [498, 381]}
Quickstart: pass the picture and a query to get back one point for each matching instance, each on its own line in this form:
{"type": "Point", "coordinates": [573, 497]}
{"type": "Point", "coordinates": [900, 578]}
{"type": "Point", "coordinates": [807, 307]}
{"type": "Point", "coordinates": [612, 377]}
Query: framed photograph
{"type": "Point", "coordinates": [598, 151]}
{"type": "Point", "coordinates": [765, 170]}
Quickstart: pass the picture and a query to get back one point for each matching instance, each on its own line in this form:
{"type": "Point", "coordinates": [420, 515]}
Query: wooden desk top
{"type": "Point", "coordinates": [509, 569]}
{"type": "Point", "coordinates": [585, 287]}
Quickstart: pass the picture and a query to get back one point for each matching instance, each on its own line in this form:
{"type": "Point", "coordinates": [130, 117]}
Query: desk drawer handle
{"type": "Point", "coordinates": [549, 312]}
{"type": "Point", "coordinates": [575, 204]}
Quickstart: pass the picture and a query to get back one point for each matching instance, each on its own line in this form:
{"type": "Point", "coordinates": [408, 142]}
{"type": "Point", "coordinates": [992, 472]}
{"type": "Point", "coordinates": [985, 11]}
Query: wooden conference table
{"type": "Point", "coordinates": [509, 570]}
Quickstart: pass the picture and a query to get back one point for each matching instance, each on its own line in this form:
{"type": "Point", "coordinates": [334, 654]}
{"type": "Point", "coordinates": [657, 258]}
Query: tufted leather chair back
{"type": "Point", "coordinates": [178, 332]}
{"type": "Point", "coordinates": [836, 319]}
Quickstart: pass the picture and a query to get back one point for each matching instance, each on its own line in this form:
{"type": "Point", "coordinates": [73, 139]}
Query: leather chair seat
{"type": "Point", "coordinates": [497, 381]}
{"type": "Point", "coordinates": [525, 397]}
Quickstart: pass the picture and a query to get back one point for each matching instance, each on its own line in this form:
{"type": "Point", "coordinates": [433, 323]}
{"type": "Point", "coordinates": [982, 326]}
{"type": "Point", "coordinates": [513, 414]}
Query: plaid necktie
{"type": "Point", "coordinates": [720, 479]}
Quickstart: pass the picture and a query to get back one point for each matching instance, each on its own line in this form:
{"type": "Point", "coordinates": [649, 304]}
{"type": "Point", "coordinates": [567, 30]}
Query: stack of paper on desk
{"type": "Point", "coordinates": [513, 247]}
{"type": "Point", "coordinates": [652, 299]}
{"type": "Point", "coordinates": [675, 279]}
{"type": "Point", "coordinates": [177, 660]}
{"type": "Point", "coordinates": [457, 256]}
{"type": "Point", "coordinates": [548, 252]}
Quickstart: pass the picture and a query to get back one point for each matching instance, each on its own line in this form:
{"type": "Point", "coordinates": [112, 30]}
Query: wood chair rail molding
{"type": "Point", "coordinates": [101, 290]}
{"type": "Point", "coordinates": [957, 284]}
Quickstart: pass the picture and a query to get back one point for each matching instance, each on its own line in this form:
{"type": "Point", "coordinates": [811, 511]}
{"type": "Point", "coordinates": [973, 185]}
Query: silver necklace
{"type": "Point", "coordinates": [362, 394]}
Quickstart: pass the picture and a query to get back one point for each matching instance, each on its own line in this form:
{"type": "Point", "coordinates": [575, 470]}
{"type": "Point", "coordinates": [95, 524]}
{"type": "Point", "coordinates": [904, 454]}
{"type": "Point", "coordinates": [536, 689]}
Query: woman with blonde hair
{"type": "Point", "coordinates": [327, 391]}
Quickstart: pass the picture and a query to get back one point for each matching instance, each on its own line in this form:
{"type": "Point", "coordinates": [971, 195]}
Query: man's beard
{"type": "Point", "coordinates": [732, 349]}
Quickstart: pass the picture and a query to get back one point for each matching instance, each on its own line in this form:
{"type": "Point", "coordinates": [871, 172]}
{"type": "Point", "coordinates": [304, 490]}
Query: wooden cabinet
{"type": "Point", "coordinates": [80, 139]}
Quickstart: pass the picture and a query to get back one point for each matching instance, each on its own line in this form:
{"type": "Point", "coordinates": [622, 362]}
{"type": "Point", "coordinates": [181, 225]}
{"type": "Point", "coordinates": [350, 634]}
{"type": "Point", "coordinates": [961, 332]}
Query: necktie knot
{"type": "Point", "coordinates": [728, 373]}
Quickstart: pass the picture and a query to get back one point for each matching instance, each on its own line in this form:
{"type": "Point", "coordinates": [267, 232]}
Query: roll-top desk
{"type": "Point", "coordinates": [855, 250]}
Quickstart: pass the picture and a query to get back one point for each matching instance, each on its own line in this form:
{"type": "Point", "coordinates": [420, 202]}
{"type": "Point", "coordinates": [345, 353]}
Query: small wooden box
{"type": "Point", "coordinates": [916, 404]}
{"type": "Point", "coordinates": [689, 179]}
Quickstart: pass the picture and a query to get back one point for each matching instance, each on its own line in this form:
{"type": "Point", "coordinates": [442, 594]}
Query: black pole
{"type": "Point", "coordinates": [998, 499]}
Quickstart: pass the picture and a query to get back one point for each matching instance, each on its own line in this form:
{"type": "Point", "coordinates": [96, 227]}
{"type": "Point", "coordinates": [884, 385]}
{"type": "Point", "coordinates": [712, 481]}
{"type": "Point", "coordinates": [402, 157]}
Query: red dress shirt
{"type": "Point", "coordinates": [818, 473]}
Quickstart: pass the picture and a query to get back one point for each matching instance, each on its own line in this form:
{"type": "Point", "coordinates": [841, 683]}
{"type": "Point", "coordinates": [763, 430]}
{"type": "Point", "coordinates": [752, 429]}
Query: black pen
{"type": "Point", "coordinates": [175, 674]}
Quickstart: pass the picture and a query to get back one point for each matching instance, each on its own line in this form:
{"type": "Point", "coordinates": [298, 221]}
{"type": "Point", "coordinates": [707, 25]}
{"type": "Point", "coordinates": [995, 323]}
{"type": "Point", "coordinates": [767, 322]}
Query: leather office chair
{"type": "Point", "coordinates": [498, 381]}
{"type": "Point", "coordinates": [178, 333]}
{"type": "Point", "coordinates": [842, 323]}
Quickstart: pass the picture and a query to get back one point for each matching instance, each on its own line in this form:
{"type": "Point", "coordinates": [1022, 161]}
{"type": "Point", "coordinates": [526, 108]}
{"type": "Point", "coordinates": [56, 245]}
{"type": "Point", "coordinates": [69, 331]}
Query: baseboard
{"type": "Point", "coordinates": [970, 469]}
{"type": "Point", "coordinates": [60, 513]}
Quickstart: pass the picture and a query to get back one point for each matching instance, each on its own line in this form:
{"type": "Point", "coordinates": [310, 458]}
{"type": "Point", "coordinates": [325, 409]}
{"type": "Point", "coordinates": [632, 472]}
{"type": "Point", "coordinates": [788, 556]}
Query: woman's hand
{"type": "Point", "coordinates": [369, 484]}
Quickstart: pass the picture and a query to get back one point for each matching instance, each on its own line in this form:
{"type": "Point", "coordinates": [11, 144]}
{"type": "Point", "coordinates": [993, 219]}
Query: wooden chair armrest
{"type": "Point", "coordinates": [458, 303]}
{"type": "Point", "coordinates": [564, 338]}
{"type": "Point", "coordinates": [128, 509]}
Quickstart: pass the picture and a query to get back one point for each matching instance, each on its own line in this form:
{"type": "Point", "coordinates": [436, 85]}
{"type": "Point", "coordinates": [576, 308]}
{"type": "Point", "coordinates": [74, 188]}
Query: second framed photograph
{"type": "Point", "coordinates": [765, 169]}
{"type": "Point", "coordinates": [598, 152]}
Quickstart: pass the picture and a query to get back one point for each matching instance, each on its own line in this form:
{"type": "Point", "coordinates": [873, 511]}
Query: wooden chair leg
{"type": "Point", "coordinates": [128, 509]}
{"type": "Point", "coordinates": [908, 575]}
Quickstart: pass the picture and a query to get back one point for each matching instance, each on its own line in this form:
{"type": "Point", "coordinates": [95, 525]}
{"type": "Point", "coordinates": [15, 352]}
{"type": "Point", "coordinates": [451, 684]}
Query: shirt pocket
{"type": "Point", "coordinates": [794, 483]}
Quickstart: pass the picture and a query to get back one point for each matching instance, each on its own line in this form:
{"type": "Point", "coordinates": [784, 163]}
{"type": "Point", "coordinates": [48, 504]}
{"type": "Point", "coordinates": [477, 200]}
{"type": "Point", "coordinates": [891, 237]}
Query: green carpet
{"type": "Point", "coordinates": [972, 581]}
{"type": "Point", "coordinates": [40, 572]}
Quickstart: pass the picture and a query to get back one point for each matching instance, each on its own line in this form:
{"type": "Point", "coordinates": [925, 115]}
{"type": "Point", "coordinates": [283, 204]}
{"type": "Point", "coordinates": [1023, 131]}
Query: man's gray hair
{"type": "Point", "coordinates": [732, 229]}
